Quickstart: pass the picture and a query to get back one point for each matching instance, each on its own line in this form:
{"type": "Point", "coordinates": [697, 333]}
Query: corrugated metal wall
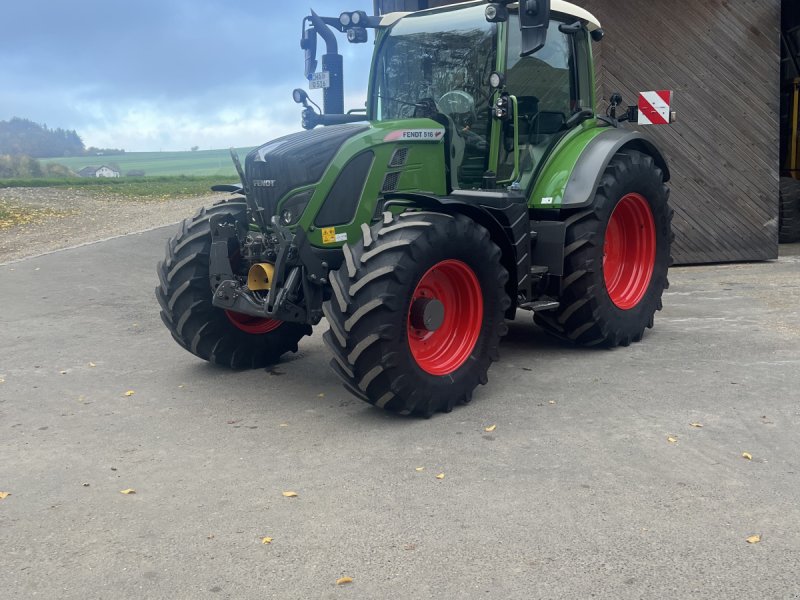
{"type": "Point", "coordinates": [721, 58]}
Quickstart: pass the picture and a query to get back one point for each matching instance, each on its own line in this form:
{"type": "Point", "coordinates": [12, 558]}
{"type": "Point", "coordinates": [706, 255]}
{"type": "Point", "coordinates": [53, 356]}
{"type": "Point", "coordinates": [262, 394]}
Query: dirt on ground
{"type": "Point", "coordinates": [41, 220]}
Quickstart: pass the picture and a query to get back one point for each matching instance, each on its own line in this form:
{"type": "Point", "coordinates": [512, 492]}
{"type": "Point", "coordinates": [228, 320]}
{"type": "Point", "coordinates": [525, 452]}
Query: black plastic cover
{"type": "Point", "coordinates": [341, 203]}
{"type": "Point", "coordinates": [292, 161]}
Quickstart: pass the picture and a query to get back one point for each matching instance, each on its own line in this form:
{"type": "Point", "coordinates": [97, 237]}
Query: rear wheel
{"type": "Point", "coordinates": [616, 257]}
{"type": "Point", "coordinates": [789, 210]}
{"type": "Point", "coordinates": [416, 313]}
{"type": "Point", "coordinates": [219, 336]}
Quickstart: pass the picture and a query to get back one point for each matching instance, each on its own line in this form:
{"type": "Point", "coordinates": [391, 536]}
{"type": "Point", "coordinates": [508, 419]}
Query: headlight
{"type": "Point", "coordinates": [292, 209]}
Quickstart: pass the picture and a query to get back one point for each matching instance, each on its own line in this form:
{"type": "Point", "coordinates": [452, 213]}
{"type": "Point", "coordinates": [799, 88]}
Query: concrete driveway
{"type": "Point", "coordinates": [593, 482]}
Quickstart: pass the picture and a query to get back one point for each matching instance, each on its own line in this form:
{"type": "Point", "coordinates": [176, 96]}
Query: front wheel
{"type": "Point", "coordinates": [219, 336]}
{"type": "Point", "coordinates": [617, 253]}
{"type": "Point", "coordinates": [416, 313]}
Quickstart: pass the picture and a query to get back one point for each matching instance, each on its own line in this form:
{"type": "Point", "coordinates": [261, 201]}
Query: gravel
{"type": "Point", "coordinates": [64, 218]}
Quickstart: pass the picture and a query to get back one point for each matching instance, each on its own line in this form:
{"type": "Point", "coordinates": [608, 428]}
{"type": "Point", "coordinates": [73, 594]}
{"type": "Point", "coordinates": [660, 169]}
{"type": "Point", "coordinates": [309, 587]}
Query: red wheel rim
{"type": "Point", "coordinates": [444, 350]}
{"type": "Point", "coordinates": [254, 325]}
{"type": "Point", "coordinates": [629, 253]}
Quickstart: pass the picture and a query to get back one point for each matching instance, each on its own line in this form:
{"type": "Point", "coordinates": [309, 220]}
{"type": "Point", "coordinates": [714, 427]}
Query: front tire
{"type": "Point", "coordinates": [221, 337]}
{"type": "Point", "coordinates": [416, 313]}
{"type": "Point", "coordinates": [617, 255]}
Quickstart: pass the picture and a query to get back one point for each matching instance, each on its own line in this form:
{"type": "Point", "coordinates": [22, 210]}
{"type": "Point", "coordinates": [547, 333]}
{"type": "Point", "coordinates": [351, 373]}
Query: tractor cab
{"type": "Point", "coordinates": [505, 82]}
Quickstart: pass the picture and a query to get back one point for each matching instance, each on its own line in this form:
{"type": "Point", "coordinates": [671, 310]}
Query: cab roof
{"type": "Point", "coordinates": [559, 6]}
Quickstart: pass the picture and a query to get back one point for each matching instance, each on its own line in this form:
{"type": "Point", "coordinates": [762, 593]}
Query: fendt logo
{"type": "Point", "coordinates": [264, 182]}
{"type": "Point", "coordinates": [420, 135]}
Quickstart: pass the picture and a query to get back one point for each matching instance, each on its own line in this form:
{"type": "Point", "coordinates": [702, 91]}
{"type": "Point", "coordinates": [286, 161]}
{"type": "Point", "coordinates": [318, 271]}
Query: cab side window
{"type": "Point", "coordinates": [546, 89]}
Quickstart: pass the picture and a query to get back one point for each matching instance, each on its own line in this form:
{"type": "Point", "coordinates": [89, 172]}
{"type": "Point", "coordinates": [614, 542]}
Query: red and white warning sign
{"type": "Point", "coordinates": [654, 107]}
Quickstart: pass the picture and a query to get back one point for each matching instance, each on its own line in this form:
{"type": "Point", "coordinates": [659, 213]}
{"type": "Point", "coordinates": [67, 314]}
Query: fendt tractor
{"type": "Point", "coordinates": [477, 182]}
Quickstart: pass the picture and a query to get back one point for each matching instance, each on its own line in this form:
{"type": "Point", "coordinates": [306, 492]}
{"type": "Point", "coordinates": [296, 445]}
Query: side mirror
{"type": "Point", "coordinates": [534, 19]}
{"type": "Point", "coordinates": [309, 43]}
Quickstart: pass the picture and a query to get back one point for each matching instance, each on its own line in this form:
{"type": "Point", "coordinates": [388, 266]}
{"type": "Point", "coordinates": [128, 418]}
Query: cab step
{"type": "Point", "coordinates": [540, 305]}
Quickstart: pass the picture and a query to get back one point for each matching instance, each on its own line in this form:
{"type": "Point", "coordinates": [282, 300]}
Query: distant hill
{"type": "Point", "coordinates": [201, 162]}
{"type": "Point", "coordinates": [22, 137]}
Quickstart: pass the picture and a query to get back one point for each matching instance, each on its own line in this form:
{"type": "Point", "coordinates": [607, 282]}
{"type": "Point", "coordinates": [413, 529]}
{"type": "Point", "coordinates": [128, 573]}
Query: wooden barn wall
{"type": "Point", "coordinates": [721, 58]}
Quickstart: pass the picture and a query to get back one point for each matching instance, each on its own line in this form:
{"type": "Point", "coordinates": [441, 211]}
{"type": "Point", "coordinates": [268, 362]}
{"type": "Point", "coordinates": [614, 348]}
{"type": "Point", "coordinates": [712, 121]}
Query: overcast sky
{"type": "Point", "coordinates": [150, 75]}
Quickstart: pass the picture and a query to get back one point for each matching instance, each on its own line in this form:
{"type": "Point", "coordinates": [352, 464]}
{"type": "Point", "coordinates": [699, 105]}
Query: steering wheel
{"type": "Point", "coordinates": [457, 103]}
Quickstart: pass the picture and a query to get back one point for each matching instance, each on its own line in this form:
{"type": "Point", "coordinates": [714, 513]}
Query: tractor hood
{"type": "Point", "coordinates": [292, 161]}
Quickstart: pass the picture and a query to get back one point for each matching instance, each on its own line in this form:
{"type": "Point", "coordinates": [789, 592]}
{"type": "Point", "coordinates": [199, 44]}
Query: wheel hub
{"type": "Point", "coordinates": [427, 314]}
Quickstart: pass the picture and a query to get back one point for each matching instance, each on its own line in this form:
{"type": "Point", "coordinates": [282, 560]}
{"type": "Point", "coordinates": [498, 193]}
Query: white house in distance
{"type": "Point", "coordinates": [102, 171]}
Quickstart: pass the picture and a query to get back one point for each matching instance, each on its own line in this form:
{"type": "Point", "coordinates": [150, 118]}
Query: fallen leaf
{"type": "Point", "coordinates": [91, 364]}
{"type": "Point", "coordinates": [343, 580]}
{"type": "Point", "coordinates": [266, 540]}
{"type": "Point", "coordinates": [672, 439]}
{"type": "Point", "coordinates": [440, 476]}
{"type": "Point", "coordinates": [128, 491]}
{"type": "Point", "coordinates": [696, 425]}
{"type": "Point", "coordinates": [130, 393]}
{"type": "Point", "coordinates": [419, 469]}
{"type": "Point", "coordinates": [290, 494]}
{"type": "Point", "coordinates": [490, 428]}
{"type": "Point", "coordinates": [754, 539]}
{"type": "Point", "coordinates": [4, 495]}
{"type": "Point", "coordinates": [747, 455]}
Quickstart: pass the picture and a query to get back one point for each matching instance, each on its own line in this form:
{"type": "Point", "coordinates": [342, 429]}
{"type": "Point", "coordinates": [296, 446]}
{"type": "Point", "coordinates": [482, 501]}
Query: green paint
{"type": "Point", "coordinates": [558, 166]}
{"type": "Point", "coordinates": [424, 171]}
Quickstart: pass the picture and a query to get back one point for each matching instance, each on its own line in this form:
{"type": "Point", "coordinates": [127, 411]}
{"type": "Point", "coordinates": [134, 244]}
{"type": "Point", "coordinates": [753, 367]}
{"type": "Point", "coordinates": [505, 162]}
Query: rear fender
{"type": "Point", "coordinates": [578, 190]}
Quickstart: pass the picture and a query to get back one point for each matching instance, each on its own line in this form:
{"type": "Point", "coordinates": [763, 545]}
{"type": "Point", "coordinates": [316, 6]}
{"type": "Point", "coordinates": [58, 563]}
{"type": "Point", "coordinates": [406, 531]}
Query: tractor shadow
{"type": "Point", "coordinates": [525, 336]}
{"type": "Point", "coordinates": [304, 382]}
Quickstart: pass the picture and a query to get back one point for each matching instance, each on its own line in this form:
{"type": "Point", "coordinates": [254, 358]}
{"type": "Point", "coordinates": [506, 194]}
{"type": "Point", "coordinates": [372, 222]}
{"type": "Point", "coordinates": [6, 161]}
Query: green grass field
{"type": "Point", "coordinates": [201, 163]}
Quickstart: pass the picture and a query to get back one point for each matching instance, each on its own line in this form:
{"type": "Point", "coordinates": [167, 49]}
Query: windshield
{"type": "Point", "coordinates": [445, 57]}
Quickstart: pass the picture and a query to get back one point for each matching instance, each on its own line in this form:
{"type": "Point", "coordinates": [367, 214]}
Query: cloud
{"type": "Point", "coordinates": [151, 75]}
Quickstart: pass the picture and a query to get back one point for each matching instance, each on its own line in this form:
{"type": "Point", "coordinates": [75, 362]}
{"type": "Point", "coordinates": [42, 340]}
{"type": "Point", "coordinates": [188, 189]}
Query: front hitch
{"type": "Point", "coordinates": [295, 292]}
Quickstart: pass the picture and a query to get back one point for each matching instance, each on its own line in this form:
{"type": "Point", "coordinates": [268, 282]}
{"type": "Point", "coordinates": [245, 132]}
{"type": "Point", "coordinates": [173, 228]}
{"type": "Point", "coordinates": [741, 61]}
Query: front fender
{"type": "Point", "coordinates": [584, 158]}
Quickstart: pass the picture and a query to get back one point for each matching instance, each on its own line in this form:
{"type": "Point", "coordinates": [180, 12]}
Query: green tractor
{"type": "Point", "coordinates": [478, 182]}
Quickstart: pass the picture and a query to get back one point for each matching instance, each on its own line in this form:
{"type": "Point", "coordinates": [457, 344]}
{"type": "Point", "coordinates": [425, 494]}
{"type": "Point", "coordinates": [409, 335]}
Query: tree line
{"type": "Point", "coordinates": [23, 137]}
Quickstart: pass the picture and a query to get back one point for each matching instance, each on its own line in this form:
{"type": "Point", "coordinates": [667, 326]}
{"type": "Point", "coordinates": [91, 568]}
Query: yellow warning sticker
{"type": "Point", "coordinates": [328, 235]}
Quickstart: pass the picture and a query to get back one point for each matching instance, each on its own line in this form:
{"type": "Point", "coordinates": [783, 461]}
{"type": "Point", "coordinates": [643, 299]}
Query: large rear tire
{"type": "Point", "coordinates": [616, 257]}
{"type": "Point", "coordinates": [416, 313]}
{"type": "Point", "coordinates": [222, 337]}
{"type": "Point", "coordinates": [789, 228]}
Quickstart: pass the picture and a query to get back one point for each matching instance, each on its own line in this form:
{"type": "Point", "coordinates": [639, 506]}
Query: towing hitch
{"type": "Point", "coordinates": [294, 292]}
